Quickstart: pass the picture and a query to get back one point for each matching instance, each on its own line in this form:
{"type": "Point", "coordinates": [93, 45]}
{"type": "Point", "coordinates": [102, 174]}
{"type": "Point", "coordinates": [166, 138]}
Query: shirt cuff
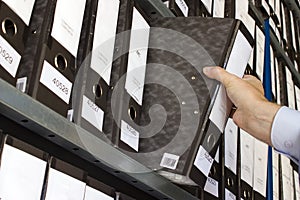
{"type": "Point", "coordinates": [285, 134]}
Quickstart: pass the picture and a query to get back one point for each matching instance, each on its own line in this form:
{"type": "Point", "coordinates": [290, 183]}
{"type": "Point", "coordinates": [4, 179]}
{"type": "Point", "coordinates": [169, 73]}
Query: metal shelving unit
{"type": "Point", "coordinates": [16, 107]}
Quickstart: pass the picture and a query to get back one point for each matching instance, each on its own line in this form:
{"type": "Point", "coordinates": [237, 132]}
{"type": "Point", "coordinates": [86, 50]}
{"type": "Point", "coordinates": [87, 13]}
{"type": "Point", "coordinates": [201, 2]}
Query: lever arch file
{"type": "Point", "coordinates": [177, 134]}
{"type": "Point", "coordinates": [93, 82]}
{"type": "Point", "coordinates": [178, 7]}
{"type": "Point", "coordinates": [21, 26]}
{"type": "Point", "coordinates": [22, 170]}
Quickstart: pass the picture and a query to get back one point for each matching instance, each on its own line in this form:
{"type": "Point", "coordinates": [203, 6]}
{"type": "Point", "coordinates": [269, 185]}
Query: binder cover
{"type": "Point", "coordinates": [97, 73]}
{"type": "Point", "coordinates": [21, 27]}
{"type": "Point", "coordinates": [247, 165]}
{"type": "Point", "coordinates": [230, 164]}
{"type": "Point", "coordinates": [64, 181]}
{"type": "Point", "coordinates": [55, 65]}
{"type": "Point", "coordinates": [177, 136]}
{"type": "Point", "coordinates": [22, 170]}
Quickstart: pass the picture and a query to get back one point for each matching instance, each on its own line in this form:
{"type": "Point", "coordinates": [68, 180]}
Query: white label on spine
{"type": "Point", "coordinates": [104, 38]}
{"type": "Point", "coordinates": [229, 195]}
{"type": "Point", "coordinates": [290, 89]}
{"type": "Point", "coordinates": [56, 82]}
{"type": "Point", "coordinates": [297, 186]}
{"type": "Point", "coordinates": [236, 64]}
{"type": "Point", "coordinates": [92, 113]}
{"type": "Point", "coordinates": [293, 30]}
{"type": "Point", "coordinates": [297, 90]}
{"type": "Point", "coordinates": [219, 8]}
{"type": "Point", "coordinates": [260, 167]}
{"type": "Point", "coordinates": [260, 52]}
{"type": "Point", "coordinates": [21, 174]}
{"type": "Point", "coordinates": [169, 161]}
{"type": "Point", "coordinates": [231, 145]}
{"type": "Point", "coordinates": [266, 6]}
{"type": "Point", "coordinates": [137, 57]}
{"type": "Point", "coordinates": [21, 84]}
{"type": "Point", "coordinates": [247, 157]}
{"type": "Point", "coordinates": [203, 161]}
{"type": "Point", "coordinates": [183, 7]}
{"type": "Point", "coordinates": [130, 136]}
{"type": "Point", "coordinates": [63, 186]}
{"type": "Point", "coordinates": [273, 72]}
{"type": "Point", "coordinates": [275, 176]}
{"type": "Point", "coordinates": [278, 91]}
{"type": "Point", "coordinates": [67, 23]}
{"type": "Point", "coordinates": [9, 57]}
{"type": "Point", "coordinates": [93, 194]}
{"type": "Point", "coordinates": [286, 177]}
{"type": "Point", "coordinates": [284, 31]}
{"type": "Point", "coordinates": [208, 5]}
{"type": "Point", "coordinates": [212, 187]}
{"type": "Point", "coordinates": [22, 8]}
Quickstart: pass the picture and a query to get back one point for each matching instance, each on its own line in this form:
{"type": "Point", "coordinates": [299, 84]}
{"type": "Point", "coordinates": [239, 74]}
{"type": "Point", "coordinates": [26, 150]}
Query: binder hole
{"type": "Point", "coordinates": [211, 140]}
{"type": "Point", "coordinates": [150, 190]}
{"type": "Point", "coordinates": [60, 62]}
{"type": "Point", "coordinates": [153, 13]}
{"type": "Point", "coordinates": [24, 121]}
{"type": "Point", "coordinates": [134, 181]}
{"type": "Point", "coordinates": [246, 194]}
{"type": "Point", "coordinates": [97, 90]}
{"type": "Point", "coordinates": [75, 149]}
{"type": "Point", "coordinates": [132, 112]}
{"type": "Point", "coordinates": [230, 182]}
{"type": "Point", "coordinates": [96, 161]}
{"type": "Point", "coordinates": [9, 27]}
{"type": "Point", "coordinates": [117, 172]}
{"type": "Point", "coordinates": [213, 171]}
{"type": "Point", "coordinates": [51, 136]}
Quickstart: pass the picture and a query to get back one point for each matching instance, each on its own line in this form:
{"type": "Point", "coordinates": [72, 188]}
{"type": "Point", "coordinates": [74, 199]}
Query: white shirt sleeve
{"type": "Point", "coordinates": [285, 134]}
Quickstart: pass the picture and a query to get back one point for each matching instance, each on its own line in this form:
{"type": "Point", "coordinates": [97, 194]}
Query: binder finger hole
{"type": "Point", "coordinates": [9, 27]}
{"type": "Point", "coordinates": [246, 194]}
{"type": "Point", "coordinates": [60, 62]}
{"type": "Point", "coordinates": [211, 140]}
{"type": "Point", "coordinates": [97, 90]}
{"type": "Point", "coordinates": [132, 112]}
{"type": "Point", "coordinates": [229, 182]}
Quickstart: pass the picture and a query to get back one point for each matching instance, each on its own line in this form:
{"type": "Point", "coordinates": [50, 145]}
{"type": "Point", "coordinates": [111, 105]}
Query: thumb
{"type": "Point", "coordinates": [220, 75]}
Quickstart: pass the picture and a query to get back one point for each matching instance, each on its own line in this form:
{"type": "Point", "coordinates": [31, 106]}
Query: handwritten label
{"type": "Point", "coordinates": [130, 136]}
{"type": "Point", "coordinates": [203, 161]}
{"type": "Point", "coordinates": [212, 187]}
{"type": "Point", "coordinates": [9, 57]}
{"type": "Point", "coordinates": [67, 23]}
{"type": "Point", "coordinates": [92, 113]}
{"type": "Point", "coordinates": [56, 82]}
{"type": "Point", "coordinates": [183, 7]}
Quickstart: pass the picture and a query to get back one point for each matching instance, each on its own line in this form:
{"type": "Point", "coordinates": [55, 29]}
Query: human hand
{"type": "Point", "coordinates": [254, 113]}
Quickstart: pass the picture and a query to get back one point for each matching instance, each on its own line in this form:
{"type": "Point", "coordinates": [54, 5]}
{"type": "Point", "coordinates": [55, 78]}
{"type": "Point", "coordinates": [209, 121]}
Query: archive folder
{"type": "Point", "coordinates": [96, 74]}
{"type": "Point", "coordinates": [22, 170]}
{"type": "Point", "coordinates": [178, 134]}
{"type": "Point", "coordinates": [21, 24]}
{"type": "Point", "coordinates": [230, 153]}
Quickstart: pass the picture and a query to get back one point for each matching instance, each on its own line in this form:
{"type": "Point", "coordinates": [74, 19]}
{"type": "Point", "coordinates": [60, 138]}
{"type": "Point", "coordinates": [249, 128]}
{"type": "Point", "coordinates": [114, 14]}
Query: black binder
{"type": "Point", "coordinates": [230, 164]}
{"type": "Point", "coordinates": [157, 148]}
{"type": "Point", "coordinates": [246, 165]}
{"type": "Point", "coordinates": [55, 64]}
{"type": "Point", "coordinates": [20, 33]}
{"type": "Point", "coordinates": [99, 70]}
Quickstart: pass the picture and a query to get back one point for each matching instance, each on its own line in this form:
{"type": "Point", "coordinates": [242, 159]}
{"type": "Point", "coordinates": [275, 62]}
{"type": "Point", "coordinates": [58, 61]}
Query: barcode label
{"type": "Point", "coordinates": [169, 161]}
{"type": "Point", "coordinates": [21, 84]}
{"type": "Point", "coordinates": [70, 115]}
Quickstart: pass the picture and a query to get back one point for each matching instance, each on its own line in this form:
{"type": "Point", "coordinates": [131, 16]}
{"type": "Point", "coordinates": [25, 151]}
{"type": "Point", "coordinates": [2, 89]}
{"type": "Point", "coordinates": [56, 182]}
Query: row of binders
{"type": "Point", "coordinates": [29, 173]}
{"type": "Point", "coordinates": [137, 81]}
